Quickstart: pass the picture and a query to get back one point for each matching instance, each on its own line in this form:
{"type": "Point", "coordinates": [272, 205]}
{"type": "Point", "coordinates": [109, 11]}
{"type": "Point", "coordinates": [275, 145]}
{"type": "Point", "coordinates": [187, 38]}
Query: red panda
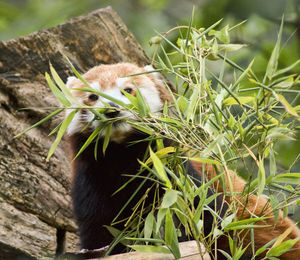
{"type": "Point", "coordinates": [94, 181]}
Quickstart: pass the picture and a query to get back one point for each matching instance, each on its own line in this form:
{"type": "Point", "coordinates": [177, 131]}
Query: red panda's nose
{"type": "Point", "coordinates": [114, 113]}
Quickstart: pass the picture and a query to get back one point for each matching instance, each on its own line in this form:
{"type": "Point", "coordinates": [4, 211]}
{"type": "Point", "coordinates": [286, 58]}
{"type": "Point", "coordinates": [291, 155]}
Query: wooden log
{"type": "Point", "coordinates": [34, 194]}
{"type": "Point", "coordinates": [188, 250]}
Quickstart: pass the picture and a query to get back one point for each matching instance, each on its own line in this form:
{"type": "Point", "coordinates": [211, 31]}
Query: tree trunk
{"type": "Point", "coordinates": [35, 205]}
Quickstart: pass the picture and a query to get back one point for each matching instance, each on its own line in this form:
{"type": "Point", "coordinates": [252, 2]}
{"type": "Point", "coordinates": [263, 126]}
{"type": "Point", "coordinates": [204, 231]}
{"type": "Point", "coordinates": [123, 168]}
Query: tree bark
{"type": "Point", "coordinates": [35, 204]}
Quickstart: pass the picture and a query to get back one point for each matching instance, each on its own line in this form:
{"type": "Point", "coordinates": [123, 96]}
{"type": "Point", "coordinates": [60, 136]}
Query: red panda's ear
{"type": "Point", "coordinates": [157, 75]}
{"type": "Point", "coordinates": [69, 81]}
{"type": "Point", "coordinates": [160, 83]}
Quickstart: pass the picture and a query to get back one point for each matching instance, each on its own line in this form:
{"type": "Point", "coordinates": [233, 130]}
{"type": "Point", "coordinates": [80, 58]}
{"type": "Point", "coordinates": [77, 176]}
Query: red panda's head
{"type": "Point", "coordinates": [110, 79]}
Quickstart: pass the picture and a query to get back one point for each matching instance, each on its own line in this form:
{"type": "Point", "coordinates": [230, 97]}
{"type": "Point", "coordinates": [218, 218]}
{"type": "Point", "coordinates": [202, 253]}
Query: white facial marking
{"type": "Point", "coordinates": [69, 80]}
{"type": "Point", "coordinates": [151, 96]}
{"type": "Point", "coordinates": [157, 75]}
{"type": "Point", "coordinates": [148, 68]}
{"type": "Point", "coordinates": [95, 86]}
{"type": "Point", "coordinates": [120, 82]}
{"type": "Point", "coordinates": [120, 130]}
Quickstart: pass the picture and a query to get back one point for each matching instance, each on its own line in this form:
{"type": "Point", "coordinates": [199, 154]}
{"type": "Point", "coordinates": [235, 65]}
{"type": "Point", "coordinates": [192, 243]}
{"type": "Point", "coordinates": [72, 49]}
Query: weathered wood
{"type": "Point", "coordinates": [34, 194]}
{"type": "Point", "coordinates": [188, 250]}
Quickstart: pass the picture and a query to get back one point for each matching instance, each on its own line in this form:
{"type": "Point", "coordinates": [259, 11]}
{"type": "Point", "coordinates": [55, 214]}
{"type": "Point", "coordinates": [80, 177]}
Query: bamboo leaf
{"type": "Point", "coordinates": [291, 178]}
{"type": "Point", "coordinates": [162, 152]}
{"type": "Point", "coordinates": [151, 249]}
{"type": "Point", "coordinates": [56, 112]}
{"type": "Point", "coordinates": [273, 62]}
{"type": "Point", "coordinates": [261, 177]}
{"type": "Point", "coordinates": [244, 222]}
{"type": "Point", "coordinates": [63, 87]}
{"type": "Point", "coordinates": [242, 100]}
{"type": "Point", "coordinates": [282, 71]}
{"type": "Point", "coordinates": [230, 47]}
{"type": "Point", "coordinates": [106, 138]}
{"type": "Point", "coordinates": [61, 132]}
{"type": "Point", "coordinates": [169, 199]}
{"type": "Point", "coordinates": [203, 160]}
{"type": "Point", "coordinates": [242, 76]}
{"type": "Point", "coordinates": [149, 225]}
{"type": "Point", "coordinates": [282, 248]}
{"type": "Point", "coordinates": [288, 108]}
{"type": "Point", "coordinates": [131, 98]}
{"type": "Point", "coordinates": [56, 92]}
{"type": "Point", "coordinates": [171, 236]}
{"type": "Point", "coordinates": [89, 140]}
{"type": "Point", "coordinates": [160, 217]}
{"type": "Point", "coordinates": [159, 168]}
{"type": "Point", "coordinates": [143, 107]}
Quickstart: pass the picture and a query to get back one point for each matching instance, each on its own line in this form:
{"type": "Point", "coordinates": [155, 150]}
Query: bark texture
{"type": "Point", "coordinates": [35, 205]}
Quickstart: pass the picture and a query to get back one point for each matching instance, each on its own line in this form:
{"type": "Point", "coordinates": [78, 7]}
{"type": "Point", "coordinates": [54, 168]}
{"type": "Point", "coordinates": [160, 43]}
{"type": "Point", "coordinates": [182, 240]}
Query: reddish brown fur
{"type": "Point", "coordinates": [107, 77]}
{"type": "Point", "coordinates": [248, 206]}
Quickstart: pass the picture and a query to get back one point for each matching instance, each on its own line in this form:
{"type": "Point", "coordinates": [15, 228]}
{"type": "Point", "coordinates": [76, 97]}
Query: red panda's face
{"type": "Point", "coordinates": [110, 80]}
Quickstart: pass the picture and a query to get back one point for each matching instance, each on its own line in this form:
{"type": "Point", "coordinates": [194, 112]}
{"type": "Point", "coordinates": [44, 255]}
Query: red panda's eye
{"type": "Point", "coordinates": [128, 90]}
{"type": "Point", "coordinates": [93, 97]}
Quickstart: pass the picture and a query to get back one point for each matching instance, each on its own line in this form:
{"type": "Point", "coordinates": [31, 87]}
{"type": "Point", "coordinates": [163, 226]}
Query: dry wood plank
{"type": "Point", "coordinates": [188, 250]}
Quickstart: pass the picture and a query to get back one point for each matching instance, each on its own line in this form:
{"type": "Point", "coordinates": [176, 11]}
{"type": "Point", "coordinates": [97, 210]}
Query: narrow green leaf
{"type": "Point", "coordinates": [149, 225]}
{"type": "Point", "coordinates": [160, 217]}
{"type": "Point", "coordinates": [56, 92]}
{"type": "Point", "coordinates": [61, 132]}
{"type": "Point", "coordinates": [170, 43]}
{"type": "Point", "coordinates": [288, 108]}
{"type": "Point", "coordinates": [56, 112]}
{"type": "Point", "coordinates": [265, 247]}
{"type": "Point", "coordinates": [242, 76]}
{"type": "Point", "coordinates": [282, 71]}
{"type": "Point", "coordinates": [245, 222]}
{"type": "Point", "coordinates": [210, 28]}
{"type": "Point", "coordinates": [242, 100]}
{"type": "Point", "coordinates": [203, 160]}
{"type": "Point", "coordinates": [151, 249]}
{"type": "Point", "coordinates": [159, 168]}
{"type": "Point", "coordinates": [261, 177]}
{"type": "Point", "coordinates": [63, 87]}
{"type": "Point", "coordinates": [291, 178]}
{"type": "Point", "coordinates": [171, 235]}
{"type": "Point", "coordinates": [228, 220]}
{"type": "Point", "coordinates": [282, 247]}
{"type": "Point", "coordinates": [212, 145]}
{"type": "Point", "coordinates": [189, 28]}
{"type": "Point", "coordinates": [250, 226]}
{"type": "Point", "coordinates": [89, 140]}
{"type": "Point", "coordinates": [143, 107]}
{"type": "Point", "coordinates": [106, 138]}
{"type": "Point", "coordinates": [230, 47]}
{"type": "Point", "coordinates": [272, 162]}
{"type": "Point", "coordinates": [162, 152]}
{"type": "Point", "coordinates": [55, 129]}
{"type": "Point", "coordinates": [193, 103]}
{"type": "Point", "coordinates": [131, 98]}
{"type": "Point", "coordinates": [273, 62]}
{"type": "Point", "coordinates": [169, 199]}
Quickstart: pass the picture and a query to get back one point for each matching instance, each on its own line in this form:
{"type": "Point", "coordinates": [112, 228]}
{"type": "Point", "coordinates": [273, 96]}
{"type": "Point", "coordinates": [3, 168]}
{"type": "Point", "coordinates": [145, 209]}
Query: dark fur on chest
{"type": "Point", "coordinates": [95, 181]}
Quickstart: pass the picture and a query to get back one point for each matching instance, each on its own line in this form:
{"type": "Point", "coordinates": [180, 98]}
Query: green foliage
{"type": "Point", "coordinates": [219, 121]}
